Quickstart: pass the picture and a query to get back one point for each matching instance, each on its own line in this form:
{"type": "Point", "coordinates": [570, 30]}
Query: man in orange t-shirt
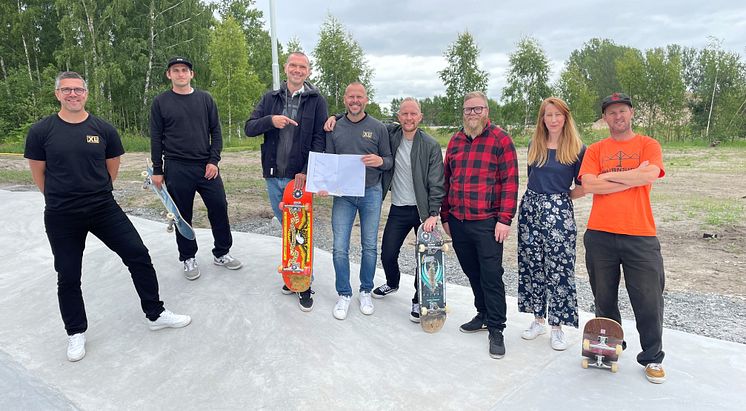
{"type": "Point", "coordinates": [619, 171]}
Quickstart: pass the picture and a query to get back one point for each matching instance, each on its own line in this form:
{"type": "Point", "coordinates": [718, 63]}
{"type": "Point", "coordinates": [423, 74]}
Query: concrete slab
{"type": "Point", "coordinates": [250, 347]}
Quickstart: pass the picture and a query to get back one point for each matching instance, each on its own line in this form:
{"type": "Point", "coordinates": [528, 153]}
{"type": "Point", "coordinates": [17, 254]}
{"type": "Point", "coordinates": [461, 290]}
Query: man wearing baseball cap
{"type": "Point", "coordinates": [619, 171]}
{"type": "Point", "coordinates": [185, 146]}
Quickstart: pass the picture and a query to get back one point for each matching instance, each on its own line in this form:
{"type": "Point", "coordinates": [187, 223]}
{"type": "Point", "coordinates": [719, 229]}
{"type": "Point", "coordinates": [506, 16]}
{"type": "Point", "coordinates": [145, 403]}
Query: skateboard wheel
{"type": "Point", "coordinates": [586, 344]}
{"type": "Point", "coordinates": [446, 248]}
{"type": "Point", "coordinates": [619, 349]}
{"type": "Point", "coordinates": [170, 229]}
{"type": "Point", "coordinates": [422, 248]}
{"type": "Point", "coordinates": [584, 363]}
{"type": "Point", "coordinates": [614, 367]}
{"type": "Point", "coordinates": [170, 216]}
{"type": "Point", "coordinates": [423, 311]}
{"type": "Point", "coordinates": [279, 269]}
{"type": "Point", "coordinates": [282, 205]}
{"type": "Point", "coordinates": [144, 174]}
{"type": "Point", "coordinates": [307, 206]}
{"type": "Point", "coordinates": [447, 309]}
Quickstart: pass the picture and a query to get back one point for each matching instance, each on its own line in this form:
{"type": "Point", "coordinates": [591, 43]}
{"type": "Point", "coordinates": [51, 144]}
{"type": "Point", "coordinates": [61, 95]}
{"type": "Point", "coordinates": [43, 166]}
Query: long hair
{"type": "Point", "coordinates": [569, 144]}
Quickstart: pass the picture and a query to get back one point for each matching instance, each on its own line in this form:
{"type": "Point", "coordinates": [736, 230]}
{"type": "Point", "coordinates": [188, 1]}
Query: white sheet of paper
{"type": "Point", "coordinates": [338, 174]}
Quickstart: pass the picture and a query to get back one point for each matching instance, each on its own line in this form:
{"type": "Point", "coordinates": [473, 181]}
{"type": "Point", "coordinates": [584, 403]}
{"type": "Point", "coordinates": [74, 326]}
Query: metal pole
{"type": "Point", "coordinates": [273, 35]}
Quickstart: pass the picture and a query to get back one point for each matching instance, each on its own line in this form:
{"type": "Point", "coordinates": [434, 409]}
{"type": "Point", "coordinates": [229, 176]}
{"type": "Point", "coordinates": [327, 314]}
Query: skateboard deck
{"type": "Point", "coordinates": [297, 238]}
{"type": "Point", "coordinates": [431, 279]}
{"type": "Point", "coordinates": [602, 343]}
{"type": "Point", "coordinates": [172, 212]}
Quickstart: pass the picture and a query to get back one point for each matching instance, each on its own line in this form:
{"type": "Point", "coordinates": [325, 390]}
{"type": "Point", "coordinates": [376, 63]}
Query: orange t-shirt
{"type": "Point", "coordinates": [626, 212]}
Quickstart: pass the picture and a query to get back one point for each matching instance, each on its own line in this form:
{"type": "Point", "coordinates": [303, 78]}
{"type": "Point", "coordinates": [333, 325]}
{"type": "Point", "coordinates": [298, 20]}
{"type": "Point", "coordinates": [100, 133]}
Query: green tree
{"type": "Point", "coordinates": [339, 61]}
{"type": "Point", "coordinates": [573, 88]}
{"type": "Point", "coordinates": [462, 74]}
{"type": "Point", "coordinates": [597, 63]}
{"type": "Point", "coordinates": [236, 88]}
{"type": "Point", "coordinates": [527, 82]}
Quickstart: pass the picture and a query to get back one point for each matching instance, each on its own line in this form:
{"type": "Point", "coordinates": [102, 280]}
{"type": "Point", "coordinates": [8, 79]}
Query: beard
{"type": "Point", "coordinates": [474, 127]}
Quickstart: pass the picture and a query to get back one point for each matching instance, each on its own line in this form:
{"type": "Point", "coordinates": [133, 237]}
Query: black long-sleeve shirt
{"type": "Point", "coordinates": [184, 127]}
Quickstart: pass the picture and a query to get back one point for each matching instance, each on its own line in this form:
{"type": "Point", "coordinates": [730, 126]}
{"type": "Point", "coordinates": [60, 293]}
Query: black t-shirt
{"type": "Point", "coordinates": [76, 177]}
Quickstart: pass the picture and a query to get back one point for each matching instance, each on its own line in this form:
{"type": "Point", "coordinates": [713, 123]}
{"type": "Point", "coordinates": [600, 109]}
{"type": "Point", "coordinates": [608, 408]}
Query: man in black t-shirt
{"type": "Point", "coordinates": [185, 145]}
{"type": "Point", "coordinates": [74, 158]}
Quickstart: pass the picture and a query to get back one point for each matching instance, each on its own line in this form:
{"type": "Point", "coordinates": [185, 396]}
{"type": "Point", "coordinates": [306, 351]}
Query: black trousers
{"type": "Point", "coordinates": [67, 234]}
{"type": "Point", "coordinates": [481, 258]}
{"type": "Point", "coordinates": [640, 258]}
{"type": "Point", "coordinates": [401, 220]}
{"type": "Point", "coordinates": [183, 181]}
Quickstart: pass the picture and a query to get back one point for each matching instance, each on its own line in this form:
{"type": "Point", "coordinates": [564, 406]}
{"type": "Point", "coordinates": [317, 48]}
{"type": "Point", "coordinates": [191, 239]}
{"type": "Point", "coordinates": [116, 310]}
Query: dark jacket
{"type": "Point", "coordinates": [427, 170]}
{"type": "Point", "coordinates": [309, 135]}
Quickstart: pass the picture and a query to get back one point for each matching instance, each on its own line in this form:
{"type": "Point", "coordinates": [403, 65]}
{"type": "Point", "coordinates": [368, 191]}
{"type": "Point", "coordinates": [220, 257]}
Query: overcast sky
{"type": "Point", "coordinates": [404, 40]}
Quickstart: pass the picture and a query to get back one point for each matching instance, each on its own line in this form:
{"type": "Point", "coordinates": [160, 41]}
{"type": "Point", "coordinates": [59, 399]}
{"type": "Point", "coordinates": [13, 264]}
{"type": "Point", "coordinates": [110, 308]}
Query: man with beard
{"type": "Point", "coordinates": [291, 120]}
{"type": "Point", "coordinates": [481, 184]}
{"type": "Point", "coordinates": [360, 134]}
{"type": "Point", "coordinates": [620, 171]}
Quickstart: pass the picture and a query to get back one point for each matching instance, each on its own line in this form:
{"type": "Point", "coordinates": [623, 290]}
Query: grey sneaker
{"type": "Point", "coordinates": [497, 344]}
{"type": "Point", "coordinates": [557, 340]}
{"type": "Point", "coordinates": [534, 330]}
{"type": "Point", "coordinates": [168, 319]}
{"type": "Point", "coordinates": [76, 347]}
{"type": "Point", "coordinates": [228, 262]}
{"type": "Point", "coordinates": [191, 269]}
{"type": "Point", "coordinates": [414, 315]}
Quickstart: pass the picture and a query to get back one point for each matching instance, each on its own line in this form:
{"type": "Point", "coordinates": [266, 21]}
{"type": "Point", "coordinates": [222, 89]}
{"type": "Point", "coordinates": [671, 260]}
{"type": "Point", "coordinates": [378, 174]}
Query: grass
{"type": "Point", "coordinates": [16, 177]}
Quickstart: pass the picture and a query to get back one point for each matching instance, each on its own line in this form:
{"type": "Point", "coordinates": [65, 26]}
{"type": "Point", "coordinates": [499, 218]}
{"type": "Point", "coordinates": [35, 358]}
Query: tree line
{"type": "Point", "coordinates": [121, 48]}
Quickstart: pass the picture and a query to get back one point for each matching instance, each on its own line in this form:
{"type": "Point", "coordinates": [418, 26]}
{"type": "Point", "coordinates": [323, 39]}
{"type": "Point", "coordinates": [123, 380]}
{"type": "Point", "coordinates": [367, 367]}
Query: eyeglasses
{"type": "Point", "coordinates": [475, 110]}
{"type": "Point", "coordinates": [77, 90]}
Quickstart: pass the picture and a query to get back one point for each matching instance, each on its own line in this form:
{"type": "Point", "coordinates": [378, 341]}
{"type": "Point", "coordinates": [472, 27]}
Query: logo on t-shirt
{"type": "Point", "coordinates": [91, 139]}
{"type": "Point", "coordinates": [620, 161]}
{"type": "Point", "coordinates": [368, 134]}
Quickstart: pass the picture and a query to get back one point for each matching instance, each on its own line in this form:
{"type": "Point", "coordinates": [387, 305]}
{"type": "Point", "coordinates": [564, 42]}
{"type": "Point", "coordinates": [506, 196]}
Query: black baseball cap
{"type": "Point", "coordinates": [179, 60]}
{"type": "Point", "coordinates": [615, 98]}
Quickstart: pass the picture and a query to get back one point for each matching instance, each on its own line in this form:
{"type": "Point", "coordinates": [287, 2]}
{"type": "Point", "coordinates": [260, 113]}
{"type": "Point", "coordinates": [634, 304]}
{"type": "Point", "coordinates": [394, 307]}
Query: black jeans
{"type": "Point", "coordinates": [640, 257]}
{"type": "Point", "coordinates": [183, 181]}
{"type": "Point", "coordinates": [401, 220]}
{"type": "Point", "coordinates": [481, 258]}
{"type": "Point", "coordinates": [67, 234]}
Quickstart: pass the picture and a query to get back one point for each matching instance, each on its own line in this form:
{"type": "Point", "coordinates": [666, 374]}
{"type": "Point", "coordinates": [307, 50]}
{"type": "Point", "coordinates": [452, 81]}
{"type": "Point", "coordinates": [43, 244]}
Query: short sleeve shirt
{"type": "Point", "coordinates": [76, 177]}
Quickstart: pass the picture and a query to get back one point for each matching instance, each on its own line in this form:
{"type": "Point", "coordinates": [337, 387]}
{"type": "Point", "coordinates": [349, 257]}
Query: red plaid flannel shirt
{"type": "Point", "coordinates": [481, 176]}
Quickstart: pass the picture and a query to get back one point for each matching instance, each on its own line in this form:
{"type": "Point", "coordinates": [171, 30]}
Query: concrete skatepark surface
{"type": "Point", "coordinates": [250, 347]}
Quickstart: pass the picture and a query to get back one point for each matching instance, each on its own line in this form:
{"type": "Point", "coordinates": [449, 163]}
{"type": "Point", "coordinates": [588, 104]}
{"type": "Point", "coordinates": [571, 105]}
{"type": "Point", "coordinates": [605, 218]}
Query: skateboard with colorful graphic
{"type": "Point", "coordinates": [172, 214]}
{"type": "Point", "coordinates": [602, 343]}
{"type": "Point", "coordinates": [431, 279]}
{"type": "Point", "coordinates": [297, 238]}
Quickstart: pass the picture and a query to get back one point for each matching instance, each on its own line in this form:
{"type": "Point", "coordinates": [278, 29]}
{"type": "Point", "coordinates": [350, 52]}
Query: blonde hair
{"type": "Point", "coordinates": [569, 144]}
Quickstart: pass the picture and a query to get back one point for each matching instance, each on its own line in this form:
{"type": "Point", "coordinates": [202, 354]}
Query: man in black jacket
{"type": "Point", "coordinates": [291, 120]}
{"type": "Point", "coordinates": [185, 145]}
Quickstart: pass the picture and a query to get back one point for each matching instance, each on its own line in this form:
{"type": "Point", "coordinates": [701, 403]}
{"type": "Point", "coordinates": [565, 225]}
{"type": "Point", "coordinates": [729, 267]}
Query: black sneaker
{"type": "Point", "coordinates": [476, 324]}
{"type": "Point", "coordinates": [414, 316]}
{"type": "Point", "coordinates": [497, 344]}
{"type": "Point", "coordinates": [383, 291]}
{"type": "Point", "coordinates": [305, 301]}
{"type": "Point", "coordinates": [285, 290]}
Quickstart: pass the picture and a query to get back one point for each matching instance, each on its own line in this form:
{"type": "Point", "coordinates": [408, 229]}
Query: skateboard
{"type": "Point", "coordinates": [297, 238]}
{"type": "Point", "coordinates": [431, 279]}
{"type": "Point", "coordinates": [602, 343]}
{"type": "Point", "coordinates": [172, 212]}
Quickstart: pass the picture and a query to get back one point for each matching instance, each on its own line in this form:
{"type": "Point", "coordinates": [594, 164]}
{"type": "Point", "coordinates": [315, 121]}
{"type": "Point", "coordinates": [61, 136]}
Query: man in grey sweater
{"type": "Point", "coordinates": [358, 133]}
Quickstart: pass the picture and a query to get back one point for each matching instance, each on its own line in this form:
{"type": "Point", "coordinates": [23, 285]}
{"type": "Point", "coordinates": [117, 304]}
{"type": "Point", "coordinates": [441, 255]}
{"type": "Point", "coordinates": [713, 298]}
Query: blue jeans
{"type": "Point", "coordinates": [343, 216]}
{"type": "Point", "coordinates": [275, 188]}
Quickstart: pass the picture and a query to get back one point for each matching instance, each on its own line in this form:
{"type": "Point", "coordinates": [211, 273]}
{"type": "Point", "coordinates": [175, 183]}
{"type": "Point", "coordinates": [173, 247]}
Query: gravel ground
{"type": "Point", "coordinates": [711, 315]}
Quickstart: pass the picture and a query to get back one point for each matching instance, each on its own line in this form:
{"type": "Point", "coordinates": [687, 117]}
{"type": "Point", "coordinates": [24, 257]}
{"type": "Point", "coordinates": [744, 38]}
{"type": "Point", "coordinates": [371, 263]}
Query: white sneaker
{"type": "Point", "coordinates": [76, 347]}
{"type": "Point", "coordinates": [169, 320]}
{"type": "Point", "coordinates": [191, 269]}
{"type": "Point", "coordinates": [340, 309]}
{"type": "Point", "coordinates": [534, 330]}
{"type": "Point", "coordinates": [366, 303]}
{"type": "Point", "coordinates": [228, 262]}
{"type": "Point", "coordinates": [557, 340]}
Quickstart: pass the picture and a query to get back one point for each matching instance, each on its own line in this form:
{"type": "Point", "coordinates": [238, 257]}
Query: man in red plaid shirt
{"type": "Point", "coordinates": [481, 183]}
